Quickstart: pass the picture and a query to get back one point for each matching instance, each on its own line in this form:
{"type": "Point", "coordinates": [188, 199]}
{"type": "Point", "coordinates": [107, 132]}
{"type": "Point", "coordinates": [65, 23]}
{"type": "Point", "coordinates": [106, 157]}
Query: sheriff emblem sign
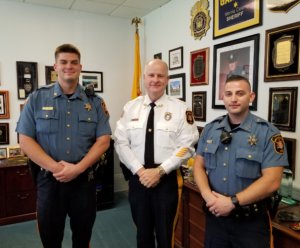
{"type": "Point", "coordinates": [200, 19]}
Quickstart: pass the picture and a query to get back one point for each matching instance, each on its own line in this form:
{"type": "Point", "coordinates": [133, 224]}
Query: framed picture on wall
{"type": "Point", "coordinates": [282, 55]}
{"type": "Point", "coordinates": [236, 57]}
{"type": "Point", "coordinates": [50, 74]}
{"type": "Point", "coordinates": [176, 58]}
{"type": "Point", "coordinates": [4, 104]}
{"type": "Point", "coordinates": [176, 86]}
{"type": "Point", "coordinates": [199, 105]}
{"type": "Point", "coordinates": [290, 145]}
{"type": "Point", "coordinates": [27, 77]}
{"type": "Point", "coordinates": [234, 16]}
{"type": "Point", "coordinates": [92, 77]}
{"type": "Point", "coordinates": [199, 66]}
{"type": "Point", "coordinates": [283, 107]}
{"type": "Point", "coordinates": [4, 133]}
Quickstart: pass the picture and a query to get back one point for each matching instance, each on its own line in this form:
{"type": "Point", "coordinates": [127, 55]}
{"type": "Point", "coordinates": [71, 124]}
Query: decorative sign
{"type": "Point", "coordinates": [200, 19]}
{"type": "Point", "coordinates": [281, 5]}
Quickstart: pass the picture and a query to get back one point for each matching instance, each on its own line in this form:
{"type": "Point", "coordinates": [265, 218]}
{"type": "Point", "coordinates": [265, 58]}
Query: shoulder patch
{"type": "Point", "coordinates": [104, 108]}
{"type": "Point", "coordinates": [189, 117]}
{"type": "Point", "coordinates": [278, 143]}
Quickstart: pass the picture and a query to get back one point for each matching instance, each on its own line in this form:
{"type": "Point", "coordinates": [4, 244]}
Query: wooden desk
{"type": "Point", "coordinates": [190, 229]}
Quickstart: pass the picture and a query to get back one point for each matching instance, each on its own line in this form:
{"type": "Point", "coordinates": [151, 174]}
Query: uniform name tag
{"type": "Point", "coordinates": [47, 108]}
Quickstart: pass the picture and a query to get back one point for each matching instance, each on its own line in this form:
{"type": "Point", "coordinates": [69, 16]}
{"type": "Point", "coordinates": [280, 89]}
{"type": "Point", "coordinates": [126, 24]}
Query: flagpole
{"type": "Point", "coordinates": [137, 63]}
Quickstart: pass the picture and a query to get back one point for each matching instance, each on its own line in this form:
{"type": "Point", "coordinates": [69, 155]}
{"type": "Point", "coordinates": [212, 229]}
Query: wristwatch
{"type": "Point", "coordinates": [161, 171]}
{"type": "Point", "coordinates": [235, 201]}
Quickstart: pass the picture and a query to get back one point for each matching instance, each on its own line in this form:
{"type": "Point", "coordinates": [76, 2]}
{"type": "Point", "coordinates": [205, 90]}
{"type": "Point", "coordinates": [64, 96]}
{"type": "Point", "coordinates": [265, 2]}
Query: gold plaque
{"type": "Point", "coordinates": [283, 53]}
{"type": "Point", "coordinates": [200, 19]}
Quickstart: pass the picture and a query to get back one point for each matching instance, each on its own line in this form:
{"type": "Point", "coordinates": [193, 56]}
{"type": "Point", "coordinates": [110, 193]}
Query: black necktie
{"type": "Point", "coordinates": [149, 139]}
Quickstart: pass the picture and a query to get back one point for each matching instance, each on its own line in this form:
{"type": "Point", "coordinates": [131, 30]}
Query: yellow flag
{"type": "Point", "coordinates": [137, 68]}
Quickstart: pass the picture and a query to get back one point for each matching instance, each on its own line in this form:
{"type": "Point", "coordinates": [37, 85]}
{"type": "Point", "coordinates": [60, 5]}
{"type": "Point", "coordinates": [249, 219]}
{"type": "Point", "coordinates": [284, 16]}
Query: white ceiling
{"type": "Point", "coordinates": [117, 8]}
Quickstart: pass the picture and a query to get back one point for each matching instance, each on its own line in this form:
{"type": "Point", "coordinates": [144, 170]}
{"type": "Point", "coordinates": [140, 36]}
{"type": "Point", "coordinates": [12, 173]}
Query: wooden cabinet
{"type": "Point", "coordinates": [191, 224]}
{"type": "Point", "coordinates": [17, 192]}
{"type": "Point", "coordinates": [190, 228]}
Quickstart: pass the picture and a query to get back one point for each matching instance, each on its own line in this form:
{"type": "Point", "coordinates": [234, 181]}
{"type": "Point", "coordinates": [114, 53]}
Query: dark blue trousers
{"type": "Point", "coordinates": [154, 210]}
{"type": "Point", "coordinates": [232, 232]}
{"type": "Point", "coordinates": [56, 200]}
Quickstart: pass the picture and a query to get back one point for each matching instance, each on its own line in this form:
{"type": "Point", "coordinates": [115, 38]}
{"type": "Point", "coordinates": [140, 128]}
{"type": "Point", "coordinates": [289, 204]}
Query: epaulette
{"type": "Point", "coordinates": [49, 86]}
{"type": "Point", "coordinates": [219, 119]}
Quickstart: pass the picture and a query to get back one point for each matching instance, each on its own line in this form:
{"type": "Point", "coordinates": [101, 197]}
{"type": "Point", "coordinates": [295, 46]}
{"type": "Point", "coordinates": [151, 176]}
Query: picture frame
{"type": "Point", "coordinates": [176, 58]}
{"type": "Point", "coordinates": [282, 53]}
{"type": "Point", "coordinates": [238, 57]}
{"type": "Point", "coordinates": [199, 67]}
{"type": "Point", "coordinates": [157, 56]}
{"type": "Point", "coordinates": [27, 78]}
{"type": "Point", "coordinates": [290, 145]}
{"type": "Point", "coordinates": [50, 75]}
{"type": "Point", "coordinates": [3, 153]}
{"type": "Point", "coordinates": [234, 16]}
{"type": "Point", "coordinates": [176, 86]}
{"type": "Point", "coordinates": [94, 77]}
{"type": "Point", "coordinates": [4, 104]}
{"type": "Point", "coordinates": [283, 107]}
{"type": "Point", "coordinates": [199, 105]}
{"type": "Point", "coordinates": [4, 133]}
{"type": "Point", "coordinates": [14, 151]}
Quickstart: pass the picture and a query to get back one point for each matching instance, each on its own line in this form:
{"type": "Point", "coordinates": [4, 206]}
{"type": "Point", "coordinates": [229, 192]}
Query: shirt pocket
{"type": "Point", "coordinates": [87, 123]}
{"type": "Point", "coordinates": [136, 133]}
{"type": "Point", "coordinates": [166, 135]}
{"type": "Point", "coordinates": [47, 121]}
{"type": "Point", "coordinates": [248, 163]}
{"type": "Point", "coordinates": [209, 154]}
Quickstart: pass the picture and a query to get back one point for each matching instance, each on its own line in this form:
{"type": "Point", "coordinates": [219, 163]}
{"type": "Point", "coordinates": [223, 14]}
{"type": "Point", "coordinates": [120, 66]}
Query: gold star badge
{"type": "Point", "coordinates": [88, 106]}
{"type": "Point", "coordinates": [252, 140]}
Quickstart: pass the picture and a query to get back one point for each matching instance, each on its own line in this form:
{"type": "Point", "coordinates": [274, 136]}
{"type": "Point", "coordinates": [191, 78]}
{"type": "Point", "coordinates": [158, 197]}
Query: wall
{"type": "Point", "coordinates": [31, 33]}
{"type": "Point", "coordinates": [169, 27]}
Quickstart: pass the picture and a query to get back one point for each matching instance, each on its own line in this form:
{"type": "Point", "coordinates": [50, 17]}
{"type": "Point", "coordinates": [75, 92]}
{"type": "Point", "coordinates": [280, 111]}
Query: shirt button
{"type": "Point", "coordinates": [68, 138]}
{"type": "Point", "coordinates": [68, 125]}
{"type": "Point", "coordinates": [69, 101]}
{"type": "Point", "coordinates": [224, 164]}
{"type": "Point", "coordinates": [47, 116]}
{"type": "Point", "coordinates": [68, 152]}
{"type": "Point", "coordinates": [249, 156]}
{"type": "Point", "coordinates": [89, 119]}
{"type": "Point", "coordinates": [68, 112]}
{"type": "Point", "coordinates": [226, 148]}
{"type": "Point", "coordinates": [224, 179]}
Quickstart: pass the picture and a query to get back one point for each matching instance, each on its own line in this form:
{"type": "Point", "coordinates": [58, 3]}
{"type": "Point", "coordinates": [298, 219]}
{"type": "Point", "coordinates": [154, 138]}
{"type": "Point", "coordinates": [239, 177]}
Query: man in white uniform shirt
{"type": "Point", "coordinates": [153, 187]}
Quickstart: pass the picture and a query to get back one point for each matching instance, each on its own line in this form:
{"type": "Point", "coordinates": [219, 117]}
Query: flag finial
{"type": "Point", "coordinates": [136, 21]}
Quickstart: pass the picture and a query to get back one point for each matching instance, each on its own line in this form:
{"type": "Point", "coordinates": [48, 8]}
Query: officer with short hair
{"type": "Point", "coordinates": [65, 130]}
{"type": "Point", "coordinates": [239, 163]}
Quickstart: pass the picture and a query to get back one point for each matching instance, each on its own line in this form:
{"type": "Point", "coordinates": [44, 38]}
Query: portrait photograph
{"type": "Point", "coordinates": [236, 57]}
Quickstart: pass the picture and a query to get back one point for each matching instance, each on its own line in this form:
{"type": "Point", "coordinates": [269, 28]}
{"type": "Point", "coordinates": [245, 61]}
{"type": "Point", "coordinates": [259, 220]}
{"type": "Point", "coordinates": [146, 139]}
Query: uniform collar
{"type": "Point", "coordinates": [159, 102]}
{"type": "Point", "coordinates": [79, 92]}
{"type": "Point", "coordinates": [245, 125]}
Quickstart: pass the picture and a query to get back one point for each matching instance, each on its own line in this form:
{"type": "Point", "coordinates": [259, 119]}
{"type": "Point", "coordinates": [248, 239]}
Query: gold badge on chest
{"type": "Point", "coordinates": [168, 116]}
